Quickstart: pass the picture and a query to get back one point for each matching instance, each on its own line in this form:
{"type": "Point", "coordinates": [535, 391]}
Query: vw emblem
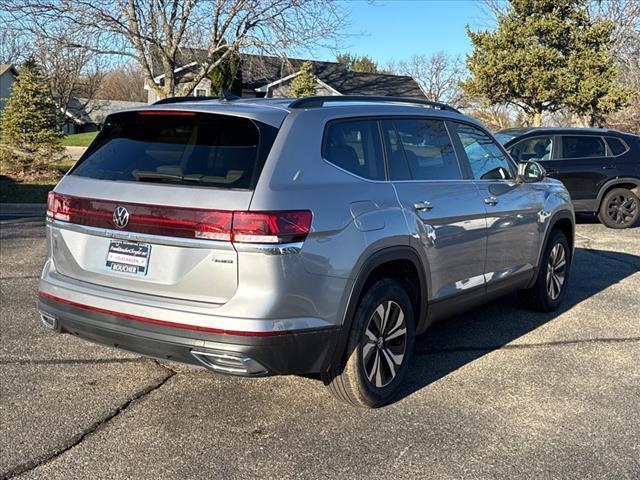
{"type": "Point", "coordinates": [120, 217]}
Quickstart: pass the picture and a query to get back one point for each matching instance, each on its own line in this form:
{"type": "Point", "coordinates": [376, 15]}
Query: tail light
{"type": "Point", "coordinates": [271, 227]}
{"type": "Point", "coordinates": [235, 226]}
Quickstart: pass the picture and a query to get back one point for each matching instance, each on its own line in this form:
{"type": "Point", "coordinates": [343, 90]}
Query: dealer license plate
{"type": "Point", "coordinates": [128, 257]}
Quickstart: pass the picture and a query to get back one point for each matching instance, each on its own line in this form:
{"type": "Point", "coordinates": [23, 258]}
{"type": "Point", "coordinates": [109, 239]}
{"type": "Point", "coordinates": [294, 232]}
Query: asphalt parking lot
{"type": "Point", "coordinates": [499, 392]}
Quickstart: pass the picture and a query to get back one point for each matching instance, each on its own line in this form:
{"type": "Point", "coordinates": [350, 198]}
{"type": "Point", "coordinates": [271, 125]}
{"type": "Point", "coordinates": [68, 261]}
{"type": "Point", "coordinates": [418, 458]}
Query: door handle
{"type": "Point", "coordinates": [609, 167]}
{"type": "Point", "coordinates": [422, 206]}
{"type": "Point", "coordinates": [493, 201]}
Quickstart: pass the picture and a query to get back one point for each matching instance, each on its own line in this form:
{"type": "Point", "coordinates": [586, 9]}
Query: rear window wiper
{"type": "Point", "coordinates": [143, 176]}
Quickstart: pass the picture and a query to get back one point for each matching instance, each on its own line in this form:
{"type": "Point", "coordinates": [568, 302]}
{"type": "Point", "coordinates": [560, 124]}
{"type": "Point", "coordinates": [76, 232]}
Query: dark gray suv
{"type": "Point", "coordinates": [310, 236]}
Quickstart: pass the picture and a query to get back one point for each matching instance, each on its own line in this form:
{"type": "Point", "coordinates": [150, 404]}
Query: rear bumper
{"type": "Point", "coordinates": [241, 353]}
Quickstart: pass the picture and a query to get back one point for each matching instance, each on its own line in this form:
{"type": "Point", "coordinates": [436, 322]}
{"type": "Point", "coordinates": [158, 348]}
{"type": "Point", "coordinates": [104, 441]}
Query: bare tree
{"type": "Point", "coordinates": [157, 33]}
{"type": "Point", "coordinates": [625, 14]}
{"type": "Point", "coordinates": [12, 45]}
{"type": "Point", "coordinates": [439, 75]}
{"type": "Point", "coordinates": [74, 73]}
{"type": "Point", "coordinates": [496, 116]}
{"type": "Point", "coordinates": [124, 82]}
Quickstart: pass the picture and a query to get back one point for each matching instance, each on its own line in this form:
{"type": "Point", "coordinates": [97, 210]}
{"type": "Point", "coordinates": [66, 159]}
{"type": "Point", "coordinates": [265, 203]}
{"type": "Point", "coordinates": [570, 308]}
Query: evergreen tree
{"type": "Point", "coordinates": [29, 125]}
{"type": "Point", "coordinates": [227, 76]}
{"type": "Point", "coordinates": [304, 85]}
{"type": "Point", "coordinates": [543, 56]}
{"type": "Point", "coordinates": [358, 64]}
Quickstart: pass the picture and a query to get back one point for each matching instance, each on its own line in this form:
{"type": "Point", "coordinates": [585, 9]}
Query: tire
{"type": "Point", "coordinates": [620, 208]}
{"type": "Point", "coordinates": [553, 275]}
{"type": "Point", "coordinates": [361, 381]}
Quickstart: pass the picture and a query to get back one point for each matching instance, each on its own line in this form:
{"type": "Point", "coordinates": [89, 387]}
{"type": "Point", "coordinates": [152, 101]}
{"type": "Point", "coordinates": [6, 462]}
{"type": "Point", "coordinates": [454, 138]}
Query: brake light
{"type": "Point", "coordinates": [57, 208]}
{"type": "Point", "coordinates": [271, 227]}
{"type": "Point", "coordinates": [236, 226]}
{"type": "Point", "coordinates": [171, 113]}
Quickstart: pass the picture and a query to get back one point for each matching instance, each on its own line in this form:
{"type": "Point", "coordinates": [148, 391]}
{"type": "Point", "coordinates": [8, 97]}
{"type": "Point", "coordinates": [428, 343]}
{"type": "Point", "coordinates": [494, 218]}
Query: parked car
{"type": "Point", "coordinates": [309, 236]}
{"type": "Point", "coordinates": [600, 168]}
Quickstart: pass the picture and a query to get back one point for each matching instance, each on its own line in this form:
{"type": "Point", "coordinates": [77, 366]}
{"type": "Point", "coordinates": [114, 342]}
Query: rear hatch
{"type": "Point", "coordinates": [148, 208]}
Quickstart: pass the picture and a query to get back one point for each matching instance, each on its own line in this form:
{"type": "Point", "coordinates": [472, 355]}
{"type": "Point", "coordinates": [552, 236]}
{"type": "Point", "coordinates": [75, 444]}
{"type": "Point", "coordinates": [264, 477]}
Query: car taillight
{"type": "Point", "coordinates": [271, 227]}
{"type": "Point", "coordinates": [57, 208]}
{"type": "Point", "coordinates": [236, 226]}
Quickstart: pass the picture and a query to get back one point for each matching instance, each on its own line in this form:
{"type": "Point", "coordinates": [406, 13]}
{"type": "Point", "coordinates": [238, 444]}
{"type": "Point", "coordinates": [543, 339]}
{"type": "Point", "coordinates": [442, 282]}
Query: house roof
{"type": "Point", "coordinates": [5, 67]}
{"type": "Point", "coordinates": [83, 111]}
{"type": "Point", "coordinates": [258, 71]}
{"type": "Point", "coordinates": [381, 84]}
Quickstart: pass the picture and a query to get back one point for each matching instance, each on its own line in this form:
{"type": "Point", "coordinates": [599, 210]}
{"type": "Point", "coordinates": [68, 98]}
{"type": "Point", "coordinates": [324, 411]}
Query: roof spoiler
{"type": "Point", "coordinates": [319, 101]}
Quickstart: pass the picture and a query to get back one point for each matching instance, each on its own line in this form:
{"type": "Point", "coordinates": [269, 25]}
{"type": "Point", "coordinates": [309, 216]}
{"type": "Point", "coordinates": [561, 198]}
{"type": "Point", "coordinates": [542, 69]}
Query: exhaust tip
{"type": "Point", "coordinates": [48, 321]}
{"type": "Point", "coordinates": [233, 364]}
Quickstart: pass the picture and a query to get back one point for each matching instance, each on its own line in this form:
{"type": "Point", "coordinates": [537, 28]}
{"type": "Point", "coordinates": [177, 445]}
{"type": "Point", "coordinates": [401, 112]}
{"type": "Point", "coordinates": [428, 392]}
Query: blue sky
{"type": "Point", "coordinates": [400, 28]}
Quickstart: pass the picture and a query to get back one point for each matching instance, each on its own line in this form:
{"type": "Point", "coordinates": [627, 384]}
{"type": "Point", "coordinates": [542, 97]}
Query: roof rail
{"type": "Point", "coordinates": [226, 95]}
{"type": "Point", "coordinates": [314, 102]}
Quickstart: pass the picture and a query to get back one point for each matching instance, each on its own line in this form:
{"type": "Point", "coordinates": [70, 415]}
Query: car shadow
{"type": "Point", "coordinates": [457, 341]}
{"type": "Point", "coordinates": [592, 219]}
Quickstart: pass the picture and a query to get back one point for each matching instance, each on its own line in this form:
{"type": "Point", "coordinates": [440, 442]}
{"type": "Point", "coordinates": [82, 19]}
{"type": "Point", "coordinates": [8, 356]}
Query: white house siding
{"type": "Point", "coordinates": [204, 84]}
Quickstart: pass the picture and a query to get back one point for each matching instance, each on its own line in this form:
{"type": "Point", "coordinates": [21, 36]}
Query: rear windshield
{"type": "Point", "coordinates": [179, 147]}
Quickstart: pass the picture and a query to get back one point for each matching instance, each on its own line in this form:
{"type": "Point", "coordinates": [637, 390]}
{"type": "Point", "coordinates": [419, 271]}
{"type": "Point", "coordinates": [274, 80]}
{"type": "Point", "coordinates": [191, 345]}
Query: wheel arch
{"type": "Point", "coordinates": [630, 183]}
{"type": "Point", "coordinates": [565, 221]}
{"type": "Point", "coordinates": [401, 263]}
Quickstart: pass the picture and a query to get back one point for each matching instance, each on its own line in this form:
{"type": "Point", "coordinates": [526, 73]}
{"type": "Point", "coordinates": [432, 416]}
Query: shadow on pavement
{"type": "Point", "coordinates": [455, 342]}
{"type": "Point", "coordinates": [592, 219]}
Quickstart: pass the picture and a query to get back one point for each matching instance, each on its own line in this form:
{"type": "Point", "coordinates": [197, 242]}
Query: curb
{"type": "Point", "coordinates": [31, 209]}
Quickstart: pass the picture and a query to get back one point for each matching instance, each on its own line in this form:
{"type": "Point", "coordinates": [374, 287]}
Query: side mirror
{"type": "Point", "coordinates": [531, 172]}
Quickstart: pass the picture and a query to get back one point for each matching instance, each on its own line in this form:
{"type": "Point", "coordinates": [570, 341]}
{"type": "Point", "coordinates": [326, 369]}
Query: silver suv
{"type": "Point", "coordinates": [310, 236]}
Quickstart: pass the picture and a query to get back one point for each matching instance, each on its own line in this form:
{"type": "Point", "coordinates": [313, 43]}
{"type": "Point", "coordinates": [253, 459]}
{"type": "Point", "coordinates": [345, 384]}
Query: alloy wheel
{"type": "Point", "coordinates": [622, 209]}
{"type": "Point", "coordinates": [556, 270]}
{"type": "Point", "coordinates": [385, 344]}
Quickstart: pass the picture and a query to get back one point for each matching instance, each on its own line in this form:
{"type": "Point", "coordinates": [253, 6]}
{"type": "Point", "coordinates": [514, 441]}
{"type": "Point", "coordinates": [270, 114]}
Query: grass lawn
{"type": "Point", "coordinates": [78, 139]}
{"type": "Point", "coordinates": [30, 190]}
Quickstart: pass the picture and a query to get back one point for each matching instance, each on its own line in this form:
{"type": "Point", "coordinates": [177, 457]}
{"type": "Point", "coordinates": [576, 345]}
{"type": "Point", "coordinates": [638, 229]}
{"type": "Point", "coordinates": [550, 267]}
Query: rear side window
{"type": "Point", "coordinates": [617, 146]}
{"type": "Point", "coordinates": [180, 147]}
{"type": "Point", "coordinates": [537, 148]}
{"type": "Point", "coordinates": [425, 149]}
{"type": "Point", "coordinates": [582, 147]}
{"type": "Point", "coordinates": [486, 160]}
{"type": "Point", "coordinates": [355, 146]}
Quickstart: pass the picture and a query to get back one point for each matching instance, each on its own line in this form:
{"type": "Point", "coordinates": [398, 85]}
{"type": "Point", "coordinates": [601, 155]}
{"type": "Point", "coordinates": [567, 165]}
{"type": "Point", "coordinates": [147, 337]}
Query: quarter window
{"type": "Point", "coordinates": [486, 160]}
{"type": "Point", "coordinates": [616, 146]}
{"type": "Point", "coordinates": [582, 147]}
{"type": "Point", "coordinates": [537, 148]}
{"type": "Point", "coordinates": [425, 148]}
{"type": "Point", "coordinates": [355, 146]}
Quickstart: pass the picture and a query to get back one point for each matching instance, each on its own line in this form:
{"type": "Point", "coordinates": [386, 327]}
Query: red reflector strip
{"type": "Point", "coordinates": [165, 323]}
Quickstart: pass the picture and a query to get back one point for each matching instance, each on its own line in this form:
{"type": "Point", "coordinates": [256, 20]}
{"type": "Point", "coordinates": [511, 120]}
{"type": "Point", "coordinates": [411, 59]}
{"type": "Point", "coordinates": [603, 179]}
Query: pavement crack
{"type": "Point", "coordinates": [78, 438]}
{"type": "Point", "coordinates": [523, 346]}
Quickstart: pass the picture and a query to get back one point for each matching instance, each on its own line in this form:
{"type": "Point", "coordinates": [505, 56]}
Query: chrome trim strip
{"type": "Point", "coordinates": [142, 237]}
{"type": "Point", "coordinates": [269, 249]}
